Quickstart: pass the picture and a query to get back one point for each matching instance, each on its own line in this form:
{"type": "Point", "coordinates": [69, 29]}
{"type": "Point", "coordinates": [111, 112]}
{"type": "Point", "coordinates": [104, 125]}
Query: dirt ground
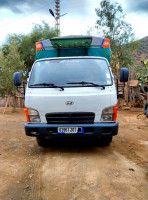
{"type": "Point", "coordinates": [74, 169]}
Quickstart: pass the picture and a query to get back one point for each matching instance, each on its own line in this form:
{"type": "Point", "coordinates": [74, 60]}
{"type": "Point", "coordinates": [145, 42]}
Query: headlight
{"type": "Point", "coordinates": [109, 114]}
{"type": "Point", "coordinates": [32, 115]}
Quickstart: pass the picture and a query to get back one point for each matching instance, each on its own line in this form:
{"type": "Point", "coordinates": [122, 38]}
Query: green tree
{"type": "Point", "coordinates": [38, 33]}
{"type": "Point", "coordinates": [26, 43]}
{"type": "Point", "coordinates": [142, 73]}
{"type": "Point", "coordinates": [112, 25]}
{"type": "Point", "coordinates": [8, 65]}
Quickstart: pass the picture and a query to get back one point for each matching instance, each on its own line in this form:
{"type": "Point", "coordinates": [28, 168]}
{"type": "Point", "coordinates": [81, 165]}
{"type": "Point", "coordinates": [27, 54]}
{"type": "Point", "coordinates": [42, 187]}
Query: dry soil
{"type": "Point", "coordinates": [74, 169]}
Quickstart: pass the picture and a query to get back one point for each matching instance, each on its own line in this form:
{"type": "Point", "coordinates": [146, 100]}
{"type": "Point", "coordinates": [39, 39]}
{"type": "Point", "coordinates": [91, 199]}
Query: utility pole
{"type": "Point", "coordinates": [57, 14]}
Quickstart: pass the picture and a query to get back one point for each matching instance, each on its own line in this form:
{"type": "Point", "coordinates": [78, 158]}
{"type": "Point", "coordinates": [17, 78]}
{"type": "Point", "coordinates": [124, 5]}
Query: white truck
{"type": "Point", "coordinates": [71, 91]}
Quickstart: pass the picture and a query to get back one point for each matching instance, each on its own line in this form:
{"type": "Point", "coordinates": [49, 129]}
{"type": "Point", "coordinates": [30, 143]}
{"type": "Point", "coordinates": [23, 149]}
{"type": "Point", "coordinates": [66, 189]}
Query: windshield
{"type": "Point", "coordinates": [70, 72]}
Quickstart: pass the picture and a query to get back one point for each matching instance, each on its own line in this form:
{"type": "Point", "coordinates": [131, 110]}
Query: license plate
{"type": "Point", "coordinates": [70, 130]}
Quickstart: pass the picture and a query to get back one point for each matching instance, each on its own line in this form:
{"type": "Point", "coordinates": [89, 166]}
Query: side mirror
{"type": "Point", "coordinates": [123, 75]}
{"type": "Point", "coordinates": [17, 79]}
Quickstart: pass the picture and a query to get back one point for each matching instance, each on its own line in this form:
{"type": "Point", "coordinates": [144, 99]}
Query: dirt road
{"type": "Point", "coordinates": [74, 169]}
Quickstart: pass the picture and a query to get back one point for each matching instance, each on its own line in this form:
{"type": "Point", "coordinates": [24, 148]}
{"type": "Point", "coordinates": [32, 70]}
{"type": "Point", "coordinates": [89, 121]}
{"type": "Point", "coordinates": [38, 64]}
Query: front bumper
{"type": "Point", "coordinates": [96, 129]}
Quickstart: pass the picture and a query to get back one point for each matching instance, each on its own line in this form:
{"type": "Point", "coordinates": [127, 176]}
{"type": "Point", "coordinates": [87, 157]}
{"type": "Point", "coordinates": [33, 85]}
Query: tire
{"type": "Point", "coordinates": [147, 112]}
{"type": "Point", "coordinates": [41, 141]}
{"type": "Point", "coordinates": [106, 141]}
{"type": "Point", "coordinates": [144, 89]}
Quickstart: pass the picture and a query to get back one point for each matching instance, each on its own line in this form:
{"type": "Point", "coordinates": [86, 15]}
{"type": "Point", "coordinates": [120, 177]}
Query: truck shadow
{"type": "Point", "coordinates": [74, 145]}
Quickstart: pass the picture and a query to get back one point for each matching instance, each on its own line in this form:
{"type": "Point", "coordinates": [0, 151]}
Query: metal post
{"type": "Point", "coordinates": [57, 14]}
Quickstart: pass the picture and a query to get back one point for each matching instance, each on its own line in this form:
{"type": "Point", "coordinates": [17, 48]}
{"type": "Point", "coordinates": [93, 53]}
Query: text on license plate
{"type": "Point", "coordinates": [70, 130]}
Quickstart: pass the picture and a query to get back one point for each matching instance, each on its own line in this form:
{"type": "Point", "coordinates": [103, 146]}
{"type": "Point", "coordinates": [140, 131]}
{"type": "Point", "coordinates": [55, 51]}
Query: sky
{"type": "Point", "coordinates": [19, 16]}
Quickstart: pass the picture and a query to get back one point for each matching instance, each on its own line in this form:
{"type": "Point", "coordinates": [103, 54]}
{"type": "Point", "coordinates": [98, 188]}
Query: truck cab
{"type": "Point", "coordinates": [71, 91]}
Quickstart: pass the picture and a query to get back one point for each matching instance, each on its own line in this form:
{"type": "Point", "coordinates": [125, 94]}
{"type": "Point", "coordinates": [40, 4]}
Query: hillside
{"type": "Point", "coordinates": [142, 52]}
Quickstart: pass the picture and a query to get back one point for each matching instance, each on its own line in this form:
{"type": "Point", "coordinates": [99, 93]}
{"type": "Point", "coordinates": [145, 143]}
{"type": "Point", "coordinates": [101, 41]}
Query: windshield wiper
{"type": "Point", "coordinates": [85, 83]}
{"type": "Point", "coordinates": [48, 84]}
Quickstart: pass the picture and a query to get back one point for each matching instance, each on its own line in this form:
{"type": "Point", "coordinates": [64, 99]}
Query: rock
{"type": "Point", "coordinates": [127, 108]}
{"type": "Point", "coordinates": [31, 175]}
{"type": "Point", "coordinates": [131, 169]}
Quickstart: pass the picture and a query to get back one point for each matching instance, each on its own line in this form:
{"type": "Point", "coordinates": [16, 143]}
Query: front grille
{"type": "Point", "coordinates": [70, 118]}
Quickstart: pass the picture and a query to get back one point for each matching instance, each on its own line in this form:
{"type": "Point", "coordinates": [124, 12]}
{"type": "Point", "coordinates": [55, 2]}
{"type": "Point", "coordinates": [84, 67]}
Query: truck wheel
{"type": "Point", "coordinates": [106, 141]}
{"type": "Point", "coordinates": [41, 141]}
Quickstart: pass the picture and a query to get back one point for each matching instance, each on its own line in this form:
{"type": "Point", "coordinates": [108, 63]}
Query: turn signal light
{"type": "Point", "coordinates": [27, 116]}
{"type": "Point", "coordinates": [115, 109]}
